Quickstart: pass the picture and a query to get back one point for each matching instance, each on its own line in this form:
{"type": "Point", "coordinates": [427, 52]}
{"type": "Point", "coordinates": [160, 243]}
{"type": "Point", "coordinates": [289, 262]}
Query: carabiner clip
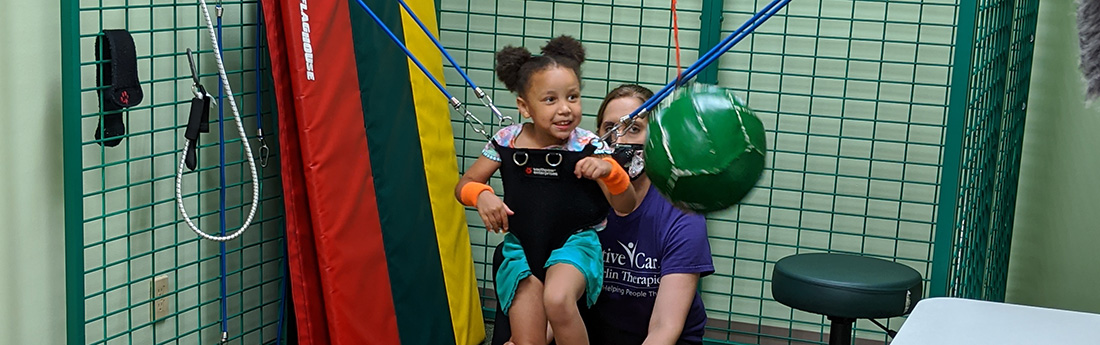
{"type": "Point", "coordinates": [196, 86]}
{"type": "Point", "coordinates": [470, 118]}
{"type": "Point", "coordinates": [264, 151]}
{"type": "Point", "coordinates": [488, 102]}
{"type": "Point", "coordinates": [194, 70]}
{"type": "Point", "coordinates": [479, 127]}
{"type": "Point", "coordinates": [624, 123]}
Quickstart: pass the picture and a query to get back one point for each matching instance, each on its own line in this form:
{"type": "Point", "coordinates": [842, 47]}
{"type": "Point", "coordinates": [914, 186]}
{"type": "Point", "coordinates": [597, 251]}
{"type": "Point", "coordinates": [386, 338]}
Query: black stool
{"type": "Point", "coordinates": [845, 288]}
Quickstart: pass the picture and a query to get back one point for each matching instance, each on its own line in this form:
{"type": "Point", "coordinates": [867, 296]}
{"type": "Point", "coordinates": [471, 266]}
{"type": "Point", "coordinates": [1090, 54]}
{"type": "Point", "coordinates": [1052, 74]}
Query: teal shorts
{"type": "Point", "coordinates": [582, 250]}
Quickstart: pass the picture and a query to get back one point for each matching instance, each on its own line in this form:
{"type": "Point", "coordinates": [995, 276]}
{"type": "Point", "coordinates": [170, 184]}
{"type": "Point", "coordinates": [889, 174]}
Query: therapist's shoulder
{"type": "Point", "coordinates": [678, 220]}
{"type": "Point", "coordinates": [685, 246]}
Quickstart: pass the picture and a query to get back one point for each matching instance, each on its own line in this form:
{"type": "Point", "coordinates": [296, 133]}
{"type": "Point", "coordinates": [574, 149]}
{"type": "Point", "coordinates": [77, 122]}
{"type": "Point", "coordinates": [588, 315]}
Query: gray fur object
{"type": "Point", "coordinates": [1088, 24]}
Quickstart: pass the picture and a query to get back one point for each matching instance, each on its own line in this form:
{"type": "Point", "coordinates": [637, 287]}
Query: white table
{"type": "Point", "coordinates": [950, 321]}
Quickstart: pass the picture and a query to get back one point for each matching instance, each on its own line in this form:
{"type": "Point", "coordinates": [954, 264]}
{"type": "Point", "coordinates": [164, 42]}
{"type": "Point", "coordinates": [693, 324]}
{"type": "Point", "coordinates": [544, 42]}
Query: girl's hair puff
{"type": "Point", "coordinates": [515, 65]}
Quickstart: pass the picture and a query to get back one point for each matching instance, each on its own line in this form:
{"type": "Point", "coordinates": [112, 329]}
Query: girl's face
{"type": "Point", "coordinates": [553, 103]}
{"type": "Point", "coordinates": [616, 109]}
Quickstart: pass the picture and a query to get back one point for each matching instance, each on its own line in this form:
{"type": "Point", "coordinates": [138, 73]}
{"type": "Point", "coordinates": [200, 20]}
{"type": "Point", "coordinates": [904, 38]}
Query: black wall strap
{"type": "Point", "coordinates": [197, 122]}
{"type": "Point", "coordinates": [117, 78]}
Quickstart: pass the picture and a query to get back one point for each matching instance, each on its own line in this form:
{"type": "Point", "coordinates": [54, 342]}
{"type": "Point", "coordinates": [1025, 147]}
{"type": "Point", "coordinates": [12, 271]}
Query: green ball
{"type": "Point", "coordinates": [705, 149]}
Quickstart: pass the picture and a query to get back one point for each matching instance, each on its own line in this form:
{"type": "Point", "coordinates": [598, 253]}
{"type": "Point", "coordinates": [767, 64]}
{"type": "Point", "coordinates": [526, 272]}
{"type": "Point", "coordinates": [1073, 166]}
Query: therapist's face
{"type": "Point", "coordinates": [616, 109]}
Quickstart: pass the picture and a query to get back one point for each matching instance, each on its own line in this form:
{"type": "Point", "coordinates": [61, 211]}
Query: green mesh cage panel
{"type": "Point", "coordinates": [123, 227]}
{"type": "Point", "coordinates": [995, 109]}
{"type": "Point", "coordinates": [872, 135]}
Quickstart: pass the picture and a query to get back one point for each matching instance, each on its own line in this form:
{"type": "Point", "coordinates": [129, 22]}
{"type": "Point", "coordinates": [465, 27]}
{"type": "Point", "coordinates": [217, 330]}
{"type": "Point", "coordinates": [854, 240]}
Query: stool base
{"type": "Point", "coordinates": [840, 330]}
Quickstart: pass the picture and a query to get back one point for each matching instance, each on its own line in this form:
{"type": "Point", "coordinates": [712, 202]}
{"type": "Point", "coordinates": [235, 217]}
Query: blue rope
{"type": "Point", "coordinates": [259, 123]}
{"type": "Point", "coordinates": [713, 54]}
{"type": "Point", "coordinates": [259, 70]}
{"type": "Point", "coordinates": [438, 45]}
{"type": "Point", "coordinates": [221, 170]}
{"type": "Point", "coordinates": [283, 286]}
{"type": "Point", "coordinates": [735, 37]}
{"type": "Point", "coordinates": [406, 50]}
{"type": "Point", "coordinates": [481, 95]}
{"type": "Point", "coordinates": [708, 58]}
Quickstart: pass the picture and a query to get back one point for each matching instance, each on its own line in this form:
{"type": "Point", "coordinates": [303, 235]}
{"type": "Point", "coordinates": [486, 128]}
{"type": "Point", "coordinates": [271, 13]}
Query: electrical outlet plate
{"type": "Point", "coordinates": [159, 308]}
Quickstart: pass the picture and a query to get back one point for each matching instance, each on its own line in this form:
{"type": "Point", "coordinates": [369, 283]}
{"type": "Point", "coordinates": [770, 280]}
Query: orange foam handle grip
{"type": "Point", "coordinates": [617, 181]}
{"type": "Point", "coordinates": [471, 190]}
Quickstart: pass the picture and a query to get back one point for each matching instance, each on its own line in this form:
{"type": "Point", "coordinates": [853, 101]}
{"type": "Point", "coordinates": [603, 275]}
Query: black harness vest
{"type": "Point", "coordinates": [550, 203]}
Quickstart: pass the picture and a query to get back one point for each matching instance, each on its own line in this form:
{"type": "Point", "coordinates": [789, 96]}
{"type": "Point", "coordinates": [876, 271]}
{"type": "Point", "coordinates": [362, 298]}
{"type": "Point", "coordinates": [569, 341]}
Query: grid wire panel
{"type": "Point", "coordinates": [854, 97]}
{"type": "Point", "coordinates": [849, 180]}
{"type": "Point", "coordinates": [1001, 72]}
{"type": "Point", "coordinates": [626, 42]}
{"type": "Point", "coordinates": [131, 227]}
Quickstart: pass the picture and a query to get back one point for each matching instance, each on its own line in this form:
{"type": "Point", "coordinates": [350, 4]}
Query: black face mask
{"type": "Point", "coordinates": [630, 157]}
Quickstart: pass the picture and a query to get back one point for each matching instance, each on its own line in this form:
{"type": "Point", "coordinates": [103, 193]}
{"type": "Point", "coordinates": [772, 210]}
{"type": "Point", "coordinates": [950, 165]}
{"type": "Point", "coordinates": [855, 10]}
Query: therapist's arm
{"type": "Point", "coordinates": [674, 296]}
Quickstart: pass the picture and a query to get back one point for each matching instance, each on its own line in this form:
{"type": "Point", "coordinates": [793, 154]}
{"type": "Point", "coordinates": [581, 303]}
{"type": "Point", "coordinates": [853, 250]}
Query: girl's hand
{"type": "Point", "coordinates": [493, 212]}
{"type": "Point", "coordinates": [592, 168]}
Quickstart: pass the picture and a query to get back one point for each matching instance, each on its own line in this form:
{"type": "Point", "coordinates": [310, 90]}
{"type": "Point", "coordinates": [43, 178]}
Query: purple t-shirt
{"type": "Point", "coordinates": [654, 240]}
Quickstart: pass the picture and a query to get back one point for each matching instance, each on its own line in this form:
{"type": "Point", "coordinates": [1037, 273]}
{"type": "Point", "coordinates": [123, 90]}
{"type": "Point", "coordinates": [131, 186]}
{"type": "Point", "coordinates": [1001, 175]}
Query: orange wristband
{"type": "Point", "coordinates": [617, 181]}
{"type": "Point", "coordinates": [471, 190]}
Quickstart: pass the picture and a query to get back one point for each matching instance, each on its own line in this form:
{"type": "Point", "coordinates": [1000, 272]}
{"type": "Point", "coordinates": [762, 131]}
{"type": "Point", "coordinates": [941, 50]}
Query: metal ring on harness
{"type": "Point", "coordinates": [516, 160]}
{"type": "Point", "coordinates": [548, 159]}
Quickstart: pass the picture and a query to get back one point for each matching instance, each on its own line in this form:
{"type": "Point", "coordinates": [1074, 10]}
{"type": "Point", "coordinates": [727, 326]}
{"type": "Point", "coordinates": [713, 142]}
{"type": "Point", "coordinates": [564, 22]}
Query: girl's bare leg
{"type": "Point", "coordinates": [564, 287]}
{"type": "Point", "coordinates": [527, 315]}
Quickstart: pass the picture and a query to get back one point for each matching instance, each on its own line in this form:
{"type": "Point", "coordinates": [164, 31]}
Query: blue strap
{"type": "Point", "coordinates": [406, 50]}
{"type": "Point", "coordinates": [264, 150]}
{"type": "Point", "coordinates": [221, 171]}
{"type": "Point", "coordinates": [259, 76]}
{"type": "Point", "coordinates": [437, 44]}
{"type": "Point", "coordinates": [708, 58]}
{"type": "Point", "coordinates": [713, 54]}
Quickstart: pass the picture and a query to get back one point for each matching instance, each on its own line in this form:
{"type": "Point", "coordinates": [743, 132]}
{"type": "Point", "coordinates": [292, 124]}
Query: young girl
{"type": "Point", "coordinates": [557, 190]}
{"type": "Point", "coordinates": [669, 308]}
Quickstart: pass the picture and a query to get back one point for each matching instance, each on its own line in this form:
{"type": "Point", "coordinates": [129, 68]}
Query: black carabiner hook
{"type": "Point", "coordinates": [194, 70]}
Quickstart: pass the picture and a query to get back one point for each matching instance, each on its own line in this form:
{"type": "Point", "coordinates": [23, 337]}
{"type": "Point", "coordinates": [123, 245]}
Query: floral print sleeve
{"type": "Point", "coordinates": [504, 137]}
{"type": "Point", "coordinates": [583, 137]}
{"type": "Point", "coordinates": [577, 141]}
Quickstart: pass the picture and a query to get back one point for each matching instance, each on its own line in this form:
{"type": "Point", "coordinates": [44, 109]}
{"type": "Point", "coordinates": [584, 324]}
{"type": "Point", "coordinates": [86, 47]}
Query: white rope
{"type": "Point", "coordinates": [244, 140]}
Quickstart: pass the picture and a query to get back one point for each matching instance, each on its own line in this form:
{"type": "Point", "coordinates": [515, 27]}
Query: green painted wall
{"type": "Point", "coordinates": [32, 300]}
{"type": "Point", "coordinates": [1056, 243]}
{"type": "Point", "coordinates": [32, 276]}
{"type": "Point", "coordinates": [133, 230]}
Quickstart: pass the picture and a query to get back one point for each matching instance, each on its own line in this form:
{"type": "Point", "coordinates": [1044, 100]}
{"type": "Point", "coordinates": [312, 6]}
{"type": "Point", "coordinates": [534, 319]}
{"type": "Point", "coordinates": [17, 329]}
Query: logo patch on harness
{"type": "Point", "coordinates": [541, 172]}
